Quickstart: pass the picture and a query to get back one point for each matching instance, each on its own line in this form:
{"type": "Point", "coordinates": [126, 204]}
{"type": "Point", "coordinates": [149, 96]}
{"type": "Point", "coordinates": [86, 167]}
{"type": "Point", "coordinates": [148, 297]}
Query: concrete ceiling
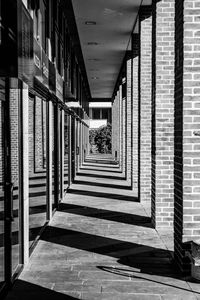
{"type": "Point", "coordinates": [104, 44]}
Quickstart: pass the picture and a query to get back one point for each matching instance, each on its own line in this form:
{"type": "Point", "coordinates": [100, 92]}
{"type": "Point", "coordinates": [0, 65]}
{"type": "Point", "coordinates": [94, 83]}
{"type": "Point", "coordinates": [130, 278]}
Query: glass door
{"type": "Point", "coordinates": [37, 167]}
{"type": "Point", "coordinates": [13, 182]}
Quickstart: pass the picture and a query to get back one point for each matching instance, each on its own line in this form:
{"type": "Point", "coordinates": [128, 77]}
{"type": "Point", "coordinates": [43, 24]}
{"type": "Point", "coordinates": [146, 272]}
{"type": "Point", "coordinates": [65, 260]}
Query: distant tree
{"type": "Point", "coordinates": [103, 139]}
{"type": "Point", "coordinates": [92, 134]}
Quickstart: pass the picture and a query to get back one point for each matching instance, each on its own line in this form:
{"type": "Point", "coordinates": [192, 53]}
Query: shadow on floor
{"type": "Point", "coordinates": [104, 214]}
{"type": "Point", "coordinates": [101, 161]}
{"type": "Point", "coordinates": [138, 275]}
{"type": "Point", "coordinates": [100, 176]}
{"type": "Point", "coordinates": [23, 290]}
{"type": "Point", "coordinates": [107, 185]}
{"type": "Point", "coordinates": [103, 195]}
{"type": "Point", "coordinates": [148, 259]}
{"type": "Point", "coordinates": [101, 170]}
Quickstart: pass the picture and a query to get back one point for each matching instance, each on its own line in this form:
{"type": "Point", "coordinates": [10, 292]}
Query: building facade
{"type": "Point", "coordinates": [44, 103]}
{"type": "Point", "coordinates": [157, 108]}
{"type": "Point", "coordinates": [44, 122]}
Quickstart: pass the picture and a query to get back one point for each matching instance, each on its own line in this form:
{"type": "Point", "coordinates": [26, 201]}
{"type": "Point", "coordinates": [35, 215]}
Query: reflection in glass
{"type": "Point", "coordinates": [37, 166]}
{"type": "Point", "coordinates": [14, 110]}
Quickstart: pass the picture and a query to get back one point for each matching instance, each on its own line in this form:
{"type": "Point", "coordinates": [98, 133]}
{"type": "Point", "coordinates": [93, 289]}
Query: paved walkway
{"type": "Point", "coordinates": [101, 245]}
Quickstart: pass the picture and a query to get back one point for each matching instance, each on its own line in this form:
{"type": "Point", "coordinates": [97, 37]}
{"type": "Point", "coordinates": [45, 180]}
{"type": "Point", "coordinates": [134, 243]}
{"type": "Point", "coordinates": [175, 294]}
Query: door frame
{"type": "Point", "coordinates": [10, 275]}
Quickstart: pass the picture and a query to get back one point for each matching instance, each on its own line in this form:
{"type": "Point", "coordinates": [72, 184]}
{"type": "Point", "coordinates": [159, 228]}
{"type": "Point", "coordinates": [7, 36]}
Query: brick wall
{"type": "Point", "coordinates": [31, 134]}
{"type": "Point", "coordinates": [113, 127]}
{"type": "Point", "coordinates": [145, 105]}
{"type": "Point", "coordinates": [44, 134]}
{"type": "Point", "coordinates": [38, 135]}
{"type": "Point", "coordinates": [124, 140]}
{"type": "Point", "coordinates": [187, 121]}
{"type": "Point", "coordinates": [116, 127]}
{"type": "Point", "coordinates": [163, 113]}
{"type": "Point", "coordinates": [121, 126]}
{"type": "Point", "coordinates": [135, 70]}
{"type": "Point", "coordinates": [14, 131]}
{"type": "Point", "coordinates": [129, 106]}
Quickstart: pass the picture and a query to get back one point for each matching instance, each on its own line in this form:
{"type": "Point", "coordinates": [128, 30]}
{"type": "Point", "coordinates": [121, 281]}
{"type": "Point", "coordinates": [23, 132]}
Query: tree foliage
{"type": "Point", "coordinates": [101, 138]}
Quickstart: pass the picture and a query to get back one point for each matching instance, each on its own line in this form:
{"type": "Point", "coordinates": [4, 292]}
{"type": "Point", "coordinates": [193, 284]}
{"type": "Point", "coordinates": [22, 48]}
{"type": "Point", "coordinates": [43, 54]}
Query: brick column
{"type": "Point", "coordinates": [116, 127]}
{"type": "Point", "coordinates": [121, 126]}
{"type": "Point", "coordinates": [124, 131]}
{"type": "Point", "coordinates": [62, 158]}
{"type": "Point", "coordinates": [187, 122]}
{"type": "Point", "coordinates": [145, 104]}
{"type": "Point", "coordinates": [31, 135]}
{"type": "Point", "coordinates": [129, 107]}
{"type": "Point", "coordinates": [135, 50]}
{"type": "Point", "coordinates": [113, 127]}
{"type": "Point", "coordinates": [163, 113]}
{"type": "Point", "coordinates": [38, 135]}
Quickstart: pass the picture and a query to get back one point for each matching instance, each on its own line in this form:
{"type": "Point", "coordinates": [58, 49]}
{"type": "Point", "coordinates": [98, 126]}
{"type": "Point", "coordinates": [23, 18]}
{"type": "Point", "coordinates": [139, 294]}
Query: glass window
{"type": "Point", "coordinates": [37, 166]}
{"type": "Point", "coordinates": [105, 113]}
{"type": "Point", "coordinates": [96, 113]}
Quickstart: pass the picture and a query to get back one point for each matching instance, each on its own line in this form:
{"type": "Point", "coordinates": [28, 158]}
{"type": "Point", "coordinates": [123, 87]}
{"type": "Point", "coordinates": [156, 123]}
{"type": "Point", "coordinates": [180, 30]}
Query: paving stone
{"type": "Point", "coordinates": [102, 246]}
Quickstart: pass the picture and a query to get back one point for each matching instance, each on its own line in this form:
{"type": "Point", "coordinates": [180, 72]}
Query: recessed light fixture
{"type": "Point", "coordinates": [92, 43]}
{"type": "Point", "coordinates": [90, 23]}
{"type": "Point", "coordinates": [95, 78]}
{"type": "Point", "coordinates": [93, 59]}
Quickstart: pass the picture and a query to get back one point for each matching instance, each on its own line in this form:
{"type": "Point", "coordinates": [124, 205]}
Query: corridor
{"type": "Point", "coordinates": [100, 245]}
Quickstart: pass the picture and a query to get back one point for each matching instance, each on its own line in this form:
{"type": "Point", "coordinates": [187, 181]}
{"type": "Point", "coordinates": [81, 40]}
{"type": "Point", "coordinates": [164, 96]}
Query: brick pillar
{"type": "Point", "coordinates": [31, 135]}
{"type": "Point", "coordinates": [38, 135]}
{"type": "Point", "coordinates": [116, 127]}
{"type": "Point", "coordinates": [163, 113]}
{"type": "Point", "coordinates": [145, 104]}
{"type": "Point", "coordinates": [124, 131]}
{"type": "Point", "coordinates": [187, 122]}
{"type": "Point", "coordinates": [135, 50]}
{"type": "Point", "coordinates": [113, 127]}
{"type": "Point", "coordinates": [129, 108]}
{"type": "Point", "coordinates": [121, 126]}
{"type": "Point", "coordinates": [14, 130]}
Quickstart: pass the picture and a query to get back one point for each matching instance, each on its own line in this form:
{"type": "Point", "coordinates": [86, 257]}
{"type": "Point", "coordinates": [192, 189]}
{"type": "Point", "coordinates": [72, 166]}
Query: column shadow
{"type": "Point", "coordinates": [104, 214]}
{"type": "Point", "coordinates": [101, 170]}
{"type": "Point", "coordinates": [148, 259]}
{"type": "Point", "coordinates": [108, 185]}
{"type": "Point", "coordinates": [100, 176]}
{"type": "Point", "coordinates": [103, 195]}
{"type": "Point", "coordinates": [23, 290]}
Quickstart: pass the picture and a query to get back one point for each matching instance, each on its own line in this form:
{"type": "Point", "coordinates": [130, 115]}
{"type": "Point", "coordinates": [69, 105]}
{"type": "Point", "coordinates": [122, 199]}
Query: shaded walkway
{"type": "Point", "coordinates": [101, 245]}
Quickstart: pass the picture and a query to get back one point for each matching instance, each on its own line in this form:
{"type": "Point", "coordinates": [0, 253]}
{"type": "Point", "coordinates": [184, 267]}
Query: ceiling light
{"type": "Point", "coordinates": [94, 59]}
{"type": "Point", "coordinates": [92, 43]}
{"type": "Point", "coordinates": [95, 78]}
{"type": "Point", "coordinates": [90, 23]}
